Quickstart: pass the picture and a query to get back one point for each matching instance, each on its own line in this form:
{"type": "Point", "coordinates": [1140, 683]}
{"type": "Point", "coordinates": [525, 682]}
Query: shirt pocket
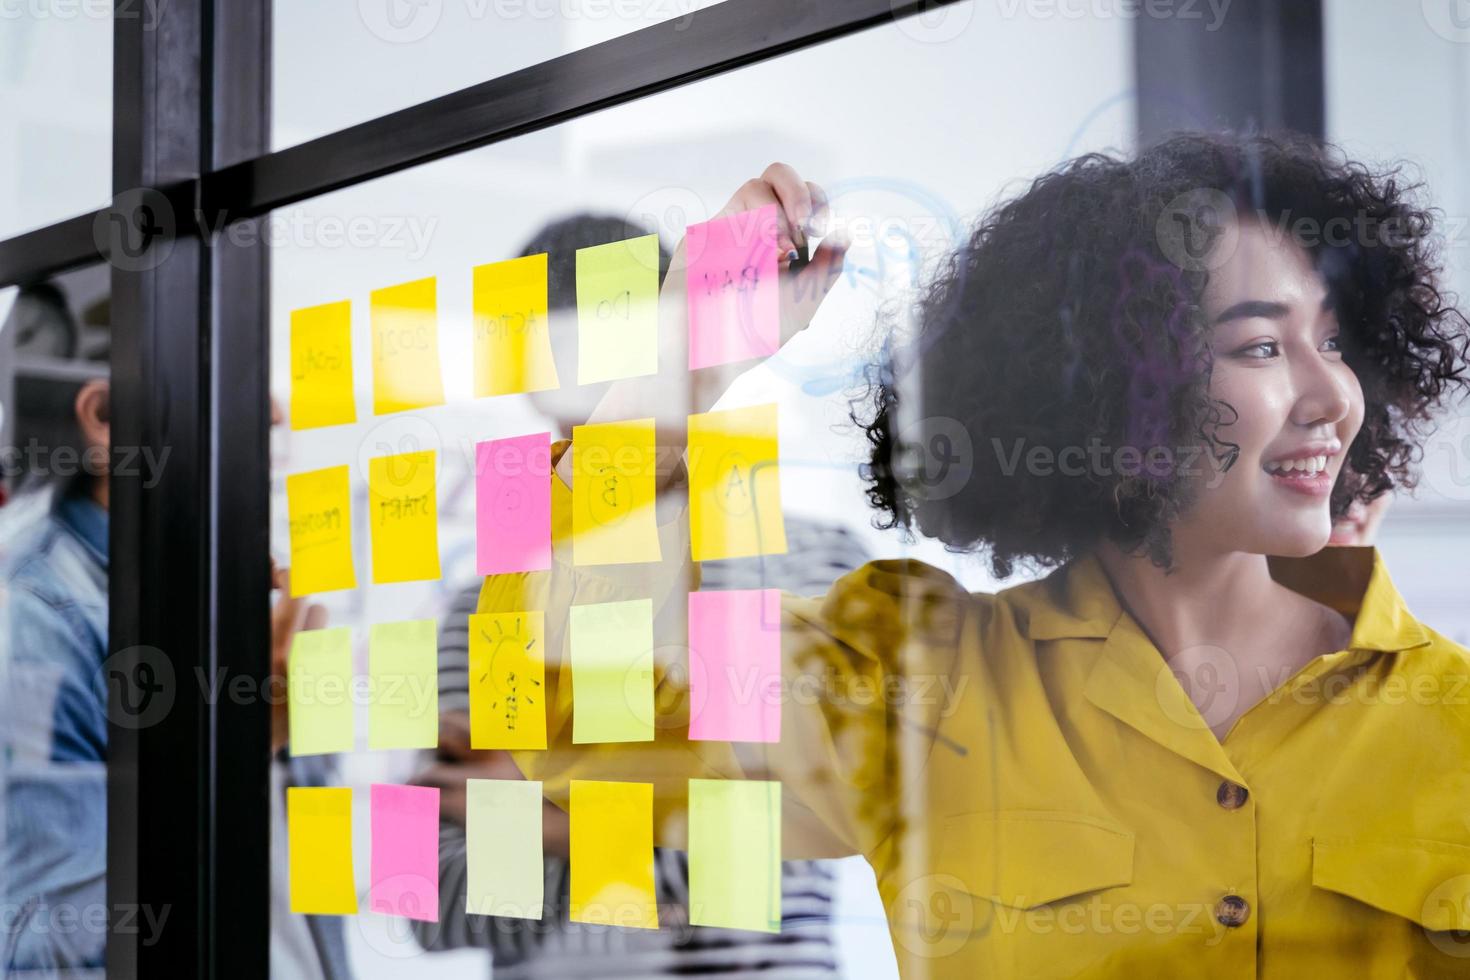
{"type": "Point", "coordinates": [1425, 881]}
{"type": "Point", "coordinates": [1027, 858]}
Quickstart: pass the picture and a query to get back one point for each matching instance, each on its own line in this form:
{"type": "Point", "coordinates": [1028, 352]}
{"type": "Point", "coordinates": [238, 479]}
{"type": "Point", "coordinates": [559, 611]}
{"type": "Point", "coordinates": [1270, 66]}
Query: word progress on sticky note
{"type": "Point", "coordinates": [612, 671]}
{"type": "Point", "coordinates": [405, 330]}
{"type": "Point", "coordinates": [735, 665]}
{"type": "Point", "coordinates": [617, 310]}
{"type": "Point", "coordinates": [513, 504]}
{"type": "Point", "coordinates": [508, 680]}
{"type": "Point", "coordinates": [614, 482]}
{"type": "Point", "coordinates": [403, 675]}
{"type": "Point", "coordinates": [319, 512]}
{"type": "Point", "coordinates": [403, 517]}
{"type": "Point", "coordinates": [503, 859]}
{"type": "Point", "coordinates": [512, 338]}
{"type": "Point", "coordinates": [405, 851]}
{"type": "Point", "coordinates": [734, 854]}
{"type": "Point", "coordinates": [735, 484]}
{"type": "Point", "coordinates": [321, 366]}
{"type": "Point", "coordinates": [612, 854]}
{"type": "Point", "coordinates": [731, 288]}
{"type": "Point", "coordinates": [319, 691]}
{"type": "Point", "coordinates": [319, 844]}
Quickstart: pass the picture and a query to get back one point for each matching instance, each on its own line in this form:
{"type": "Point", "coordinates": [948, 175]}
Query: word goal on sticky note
{"type": "Point", "coordinates": [735, 484]}
{"type": "Point", "coordinates": [731, 288]}
{"type": "Point", "coordinates": [321, 366]}
{"type": "Point", "coordinates": [319, 846]}
{"type": "Point", "coordinates": [735, 665]}
{"type": "Point", "coordinates": [617, 310]}
{"type": "Point", "coordinates": [614, 482]}
{"type": "Point", "coordinates": [403, 516]}
{"type": "Point", "coordinates": [405, 851]}
{"type": "Point", "coordinates": [612, 854]}
{"type": "Point", "coordinates": [405, 330]}
{"type": "Point", "coordinates": [612, 671]}
{"type": "Point", "coordinates": [403, 685]}
{"type": "Point", "coordinates": [319, 512]}
{"type": "Point", "coordinates": [318, 691]}
{"type": "Point", "coordinates": [512, 336]}
{"type": "Point", "coordinates": [513, 504]}
{"type": "Point", "coordinates": [503, 858]}
{"type": "Point", "coordinates": [508, 680]}
{"type": "Point", "coordinates": [734, 854]}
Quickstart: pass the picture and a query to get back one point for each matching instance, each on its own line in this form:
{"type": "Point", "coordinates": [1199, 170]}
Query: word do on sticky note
{"type": "Point", "coordinates": [319, 511]}
{"type": "Point", "coordinates": [405, 329]}
{"type": "Point", "coordinates": [735, 484]}
{"type": "Point", "coordinates": [508, 680]}
{"type": "Point", "coordinates": [612, 854]}
{"type": "Point", "coordinates": [403, 689]}
{"type": "Point", "coordinates": [405, 851]}
{"type": "Point", "coordinates": [612, 671]}
{"type": "Point", "coordinates": [735, 665]}
{"type": "Point", "coordinates": [503, 858]}
{"type": "Point", "coordinates": [513, 504]}
{"type": "Point", "coordinates": [512, 338]}
{"type": "Point", "coordinates": [319, 845]}
{"type": "Point", "coordinates": [321, 366]}
{"type": "Point", "coordinates": [319, 691]}
{"type": "Point", "coordinates": [731, 287]}
{"type": "Point", "coordinates": [614, 482]}
{"type": "Point", "coordinates": [403, 517]}
{"type": "Point", "coordinates": [734, 854]}
{"type": "Point", "coordinates": [617, 310]}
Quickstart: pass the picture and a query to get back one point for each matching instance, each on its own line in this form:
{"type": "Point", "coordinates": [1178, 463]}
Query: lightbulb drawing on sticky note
{"type": "Point", "coordinates": [512, 336]}
{"type": "Point", "coordinates": [403, 516]}
{"type": "Point", "coordinates": [617, 310]}
{"type": "Point", "coordinates": [513, 504]}
{"type": "Point", "coordinates": [405, 332]}
{"type": "Point", "coordinates": [319, 845]}
{"type": "Point", "coordinates": [735, 665]}
{"type": "Point", "coordinates": [612, 671]}
{"type": "Point", "coordinates": [731, 288]}
{"type": "Point", "coordinates": [614, 485]}
{"type": "Point", "coordinates": [735, 854]}
{"type": "Point", "coordinates": [318, 505]}
{"type": "Point", "coordinates": [612, 854]}
{"type": "Point", "coordinates": [507, 680]}
{"type": "Point", "coordinates": [735, 484]}
{"type": "Point", "coordinates": [321, 366]}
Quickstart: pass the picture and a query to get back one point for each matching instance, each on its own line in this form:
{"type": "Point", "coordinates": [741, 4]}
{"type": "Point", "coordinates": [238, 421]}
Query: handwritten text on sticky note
{"type": "Point", "coordinates": [735, 484]}
{"type": "Point", "coordinates": [512, 342]}
{"type": "Point", "coordinates": [319, 505]}
{"type": "Point", "coordinates": [321, 366]}
{"type": "Point", "coordinates": [405, 329]}
{"type": "Point", "coordinates": [617, 310]}
{"type": "Point", "coordinates": [508, 680]}
{"type": "Point", "coordinates": [613, 486]}
{"type": "Point", "coordinates": [734, 304]}
{"type": "Point", "coordinates": [403, 516]}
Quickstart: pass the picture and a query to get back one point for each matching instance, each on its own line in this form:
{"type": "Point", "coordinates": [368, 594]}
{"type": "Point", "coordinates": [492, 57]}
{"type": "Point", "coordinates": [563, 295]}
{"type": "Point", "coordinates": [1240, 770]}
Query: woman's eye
{"type": "Point", "coordinates": [1333, 343]}
{"type": "Point", "coordinates": [1264, 349]}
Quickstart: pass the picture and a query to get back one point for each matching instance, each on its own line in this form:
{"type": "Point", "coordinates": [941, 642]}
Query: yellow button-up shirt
{"type": "Point", "coordinates": [1039, 797]}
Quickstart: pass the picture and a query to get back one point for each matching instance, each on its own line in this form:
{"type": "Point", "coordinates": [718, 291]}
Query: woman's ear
{"type": "Point", "coordinates": [94, 415]}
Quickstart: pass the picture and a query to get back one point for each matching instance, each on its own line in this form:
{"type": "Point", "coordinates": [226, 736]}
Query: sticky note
{"type": "Point", "coordinates": [617, 310]}
{"type": "Point", "coordinates": [731, 286]}
{"type": "Point", "coordinates": [512, 340]}
{"type": "Point", "coordinates": [321, 366]}
{"type": "Point", "coordinates": [735, 665]}
{"type": "Point", "coordinates": [612, 671]}
{"type": "Point", "coordinates": [734, 854]}
{"type": "Point", "coordinates": [319, 511]}
{"type": "Point", "coordinates": [405, 328]}
{"type": "Point", "coordinates": [735, 484]}
{"type": "Point", "coordinates": [319, 691]}
{"type": "Point", "coordinates": [319, 844]}
{"type": "Point", "coordinates": [405, 851]}
{"type": "Point", "coordinates": [403, 517]}
{"type": "Point", "coordinates": [403, 685]}
{"type": "Point", "coordinates": [508, 680]}
{"type": "Point", "coordinates": [503, 859]}
{"type": "Point", "coordinates": [513, 504]}
{"type": "Point", "coordinates": [612, 854]}
{"type": "Point", "coordinates": [614, 481]}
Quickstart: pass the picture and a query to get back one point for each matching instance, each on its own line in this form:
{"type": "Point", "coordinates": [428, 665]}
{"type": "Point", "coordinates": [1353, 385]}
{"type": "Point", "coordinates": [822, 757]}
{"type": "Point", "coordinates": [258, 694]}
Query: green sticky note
{"type": "Point", "coordinates": [735, 854]}
{"type": "Point", "coordinates": [617, 310]}
{"type": "Point", "coordinates": [612, 671]}
{"type": "Point", "coordinates": [503, 860]}
{"type": "Point", "coordinates": [403, 685]}
{"type": "Point", "coordinates": [319, 691]}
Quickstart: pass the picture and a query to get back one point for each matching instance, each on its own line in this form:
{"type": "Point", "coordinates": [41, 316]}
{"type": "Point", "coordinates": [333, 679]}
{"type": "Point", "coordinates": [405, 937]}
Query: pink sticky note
{"type": "Point", "coordinates": [513, 504]}
{"type": "Point", "coordinates": [734, 306]}
{"type": "Point", "coordinates": [735, 665]}
{"type": "Point", "coordinates": [405, 851]}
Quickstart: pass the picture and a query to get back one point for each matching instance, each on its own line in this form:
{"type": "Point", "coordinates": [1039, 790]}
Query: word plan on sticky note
{"type": "Point", "coordinates": [614, 482]}
{"type": "Point", "coordinates": [403, 517]}
{"type": "Point", "coordinates": [612, 671]}
{"type": "Point", "coordinates": [512, 350]}
{"type": "Point", "coordinates": [319, 512]}
{"type": "Point", "coordinates": [319, 847]}
{"type": "Point", "coordinates": [735, 484]}
{"type": "Point", "coordinates": [504, 867]}
{"type": "Point", "coordinates": [735, 854]}
{"type": "Point", "coordinates": [731, 288]}
{"type": "Point", "coordinates": [508, 680]}
{"type": "Point", "coordinates": [617, 310]}
{"type": "Point", "coordinates": [612, 854]}
{"type": "Point", "coordinates": [403, 685]}
{"type": "Point", "coordinates": [405, 851]}
{"type": "Point", "coordinates": [513, 504]}
{"type": "Point", "coordinates": [319, 713]}
{"type": "Point", "coordinates": [405, 331]}
{"type": "Point", "coordinates": [735, 665]}
{"type": "Point", "coordinates": [321, 366]}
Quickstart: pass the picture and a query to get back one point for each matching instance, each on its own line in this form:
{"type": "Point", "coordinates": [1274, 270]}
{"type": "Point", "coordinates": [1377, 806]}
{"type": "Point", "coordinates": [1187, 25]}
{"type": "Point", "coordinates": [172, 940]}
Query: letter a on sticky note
{"type": "Point", "coordinates": [319, 511]}
{"type": "Point", "coordinates": [612, 854]}
{"type": "Point", "coordinates": [405, 327]}
{"type": "Point", "coordinates": [735, 484]}
{"type": "Point", "coordinates": [613, 487]}
{"type": "Point", "coordinates": [403, 517]}
{"type": "Point", "coordinates": [612, 671]}
{"type": "Point", "coordinates": [734, 854]}
{"type": "Point", "coordinates": [508, 680]}
{"type": "Point", "coordinates": [513, 504]}
{"type": "Point", "coordinates": [503, 858]}
{"type": "Point", "coordinates": [405, 851]}
{"type": "Point", "coordinates": [617, 310]}
{"type": "Point", "coordinates": [319, 840]}
{"type": "Point", "coordinates": [403, 671]}
{"type": "Point", "coordinates": [735, 665]}
{"type": "Point", "coordinates": [318, 691]}
{"type": "Point", "coordinates": [512, 340]}
{"type": "Point", "coordinates": [321, 366]}
{"type": "Point", "coordinates": [734, 305]}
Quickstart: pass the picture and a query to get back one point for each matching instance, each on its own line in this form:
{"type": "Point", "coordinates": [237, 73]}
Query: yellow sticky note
{"type": "Point", "coordinates": [612, 854]}
{"type": "Point", "coordinates": [319, 842]}
{"type": "Point", "coordinates": [403, 685]}
{"type": "Point", "coordinates": [405, 326]}
{"type": "Point", "coordinates": [612, 671]}
{"type": "Point", "coordinates": [508, 680]}
{"type": "Point", "coordinates": [403, 516]}
{"type": "Point", "coordinates": [735, 484]}
{"type": "Point", "coordinates": [735, 854]}
{"type": "Point", "coordinates": [321, 366]}
{"type": "Point", "coordinates": [319, 691]}
{"type": "Point", "coordinates": [504, 870]}
{"type": "Point", "coordinates": [613, 487]}
{"type": "Point", "coordinates": [319, 511]}
{"type": "Point", "coordinates": [512, 337]}
{"type": "Point", "coordinates": [617, 310]}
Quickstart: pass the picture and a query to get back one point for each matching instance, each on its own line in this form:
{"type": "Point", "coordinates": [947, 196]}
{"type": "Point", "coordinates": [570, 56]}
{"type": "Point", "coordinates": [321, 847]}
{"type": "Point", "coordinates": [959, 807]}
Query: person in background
{"type": "Point", "coordinates": [1359, 526]}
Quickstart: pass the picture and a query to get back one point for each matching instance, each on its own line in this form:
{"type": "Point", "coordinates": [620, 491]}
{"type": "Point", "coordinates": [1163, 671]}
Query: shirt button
{"type": "Point", "coordinates": [1232, 910]}
{"type": "Point", "coordinates": [1231, 796]}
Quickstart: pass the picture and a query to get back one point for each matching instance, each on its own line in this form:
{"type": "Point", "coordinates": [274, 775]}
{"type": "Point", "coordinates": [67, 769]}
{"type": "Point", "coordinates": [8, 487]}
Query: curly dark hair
{"type": "Point", "coordinates": [1069, 316]}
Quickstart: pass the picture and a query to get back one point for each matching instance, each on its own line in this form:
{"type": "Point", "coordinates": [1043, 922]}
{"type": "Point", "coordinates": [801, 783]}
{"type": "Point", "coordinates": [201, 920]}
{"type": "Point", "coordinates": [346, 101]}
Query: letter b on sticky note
{"type": "Point", "coordinates": [613, 488]}
{"type": "Point", "coordinates": [735, 484]}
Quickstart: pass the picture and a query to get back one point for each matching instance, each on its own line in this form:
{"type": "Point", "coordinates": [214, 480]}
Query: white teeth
{"type": "Point", "coordinates": [1309, 466]}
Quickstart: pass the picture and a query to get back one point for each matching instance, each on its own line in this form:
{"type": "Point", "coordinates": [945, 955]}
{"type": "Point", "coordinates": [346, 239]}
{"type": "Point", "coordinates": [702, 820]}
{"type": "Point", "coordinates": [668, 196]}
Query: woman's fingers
{"type": "Point", "coordinates": [795, 199]}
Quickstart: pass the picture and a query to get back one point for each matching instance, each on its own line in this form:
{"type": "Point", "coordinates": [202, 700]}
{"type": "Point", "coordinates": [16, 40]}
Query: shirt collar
{"type": "Point", "coordinates": [86, 520]}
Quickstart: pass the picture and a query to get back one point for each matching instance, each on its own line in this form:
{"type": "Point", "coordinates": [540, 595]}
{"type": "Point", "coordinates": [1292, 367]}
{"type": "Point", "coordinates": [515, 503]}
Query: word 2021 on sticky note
{"type": "Point", "coordinates": [319, 844]}
{"type": "Point", "coordinates": [612, 854]}
{"type": "Point", "coordinates": [617, 310]}
{"type": "Point", "coordinates": [404, 879]}
{"type": "Point", "coordinates": [403, 685]}
{"type": "Point", "coordinates": [513, 504]}
{"type": "Point", "coordinates": [508, 680]}
{"type": "Point", "coordinates": [321, 366]}
{"type": "Point", "coordinates": [319, 511]}
{"type": "Point", "coordinates": [734, 854]}
{"type": "Point", "coordinates": [734, 305]}
{"type": "Point", "coordinates": [735, 665]}
{"type": "Point", "coordinates": [735, 484]}
{"type": "Point", "coordinates": [614, 481]}
{"type": "Point", "coordinates": [319, 691]}
{"type": "Point", "coordinates": [403, 517]}
{"type": "Point", "coordinates": [512, 335]}
{"type": "Point", "coordinates": [612, 671]}
{"type": "Point", "coordinates": [503, 858]}
{"type": "Point", "coordinates": [405, 329]}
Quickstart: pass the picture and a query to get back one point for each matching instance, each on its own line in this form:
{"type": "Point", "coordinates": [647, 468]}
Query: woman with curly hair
{"type": "Point", "coordinates": [1175, 372]}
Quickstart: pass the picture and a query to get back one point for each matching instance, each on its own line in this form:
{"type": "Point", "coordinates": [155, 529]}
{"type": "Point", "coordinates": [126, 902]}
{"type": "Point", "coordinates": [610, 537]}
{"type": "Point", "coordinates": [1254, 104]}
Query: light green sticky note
{"type": "Point", "coordinates": [735, 854]}
{"type": "Point", "coordinates": [612, 671]}
{"type": "Point", "coordinates": [319, 691]}
{"type": "Point", "coordinates": [403, 685]}
{"type": "Point", "coordinates": [617, 310]}
{"type": "Point", "coordinates": [503, 858]}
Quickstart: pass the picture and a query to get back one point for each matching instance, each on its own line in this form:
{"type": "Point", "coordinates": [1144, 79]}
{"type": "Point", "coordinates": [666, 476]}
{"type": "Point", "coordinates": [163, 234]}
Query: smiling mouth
{"type": "Point", "coordinates": [1307, 474]}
